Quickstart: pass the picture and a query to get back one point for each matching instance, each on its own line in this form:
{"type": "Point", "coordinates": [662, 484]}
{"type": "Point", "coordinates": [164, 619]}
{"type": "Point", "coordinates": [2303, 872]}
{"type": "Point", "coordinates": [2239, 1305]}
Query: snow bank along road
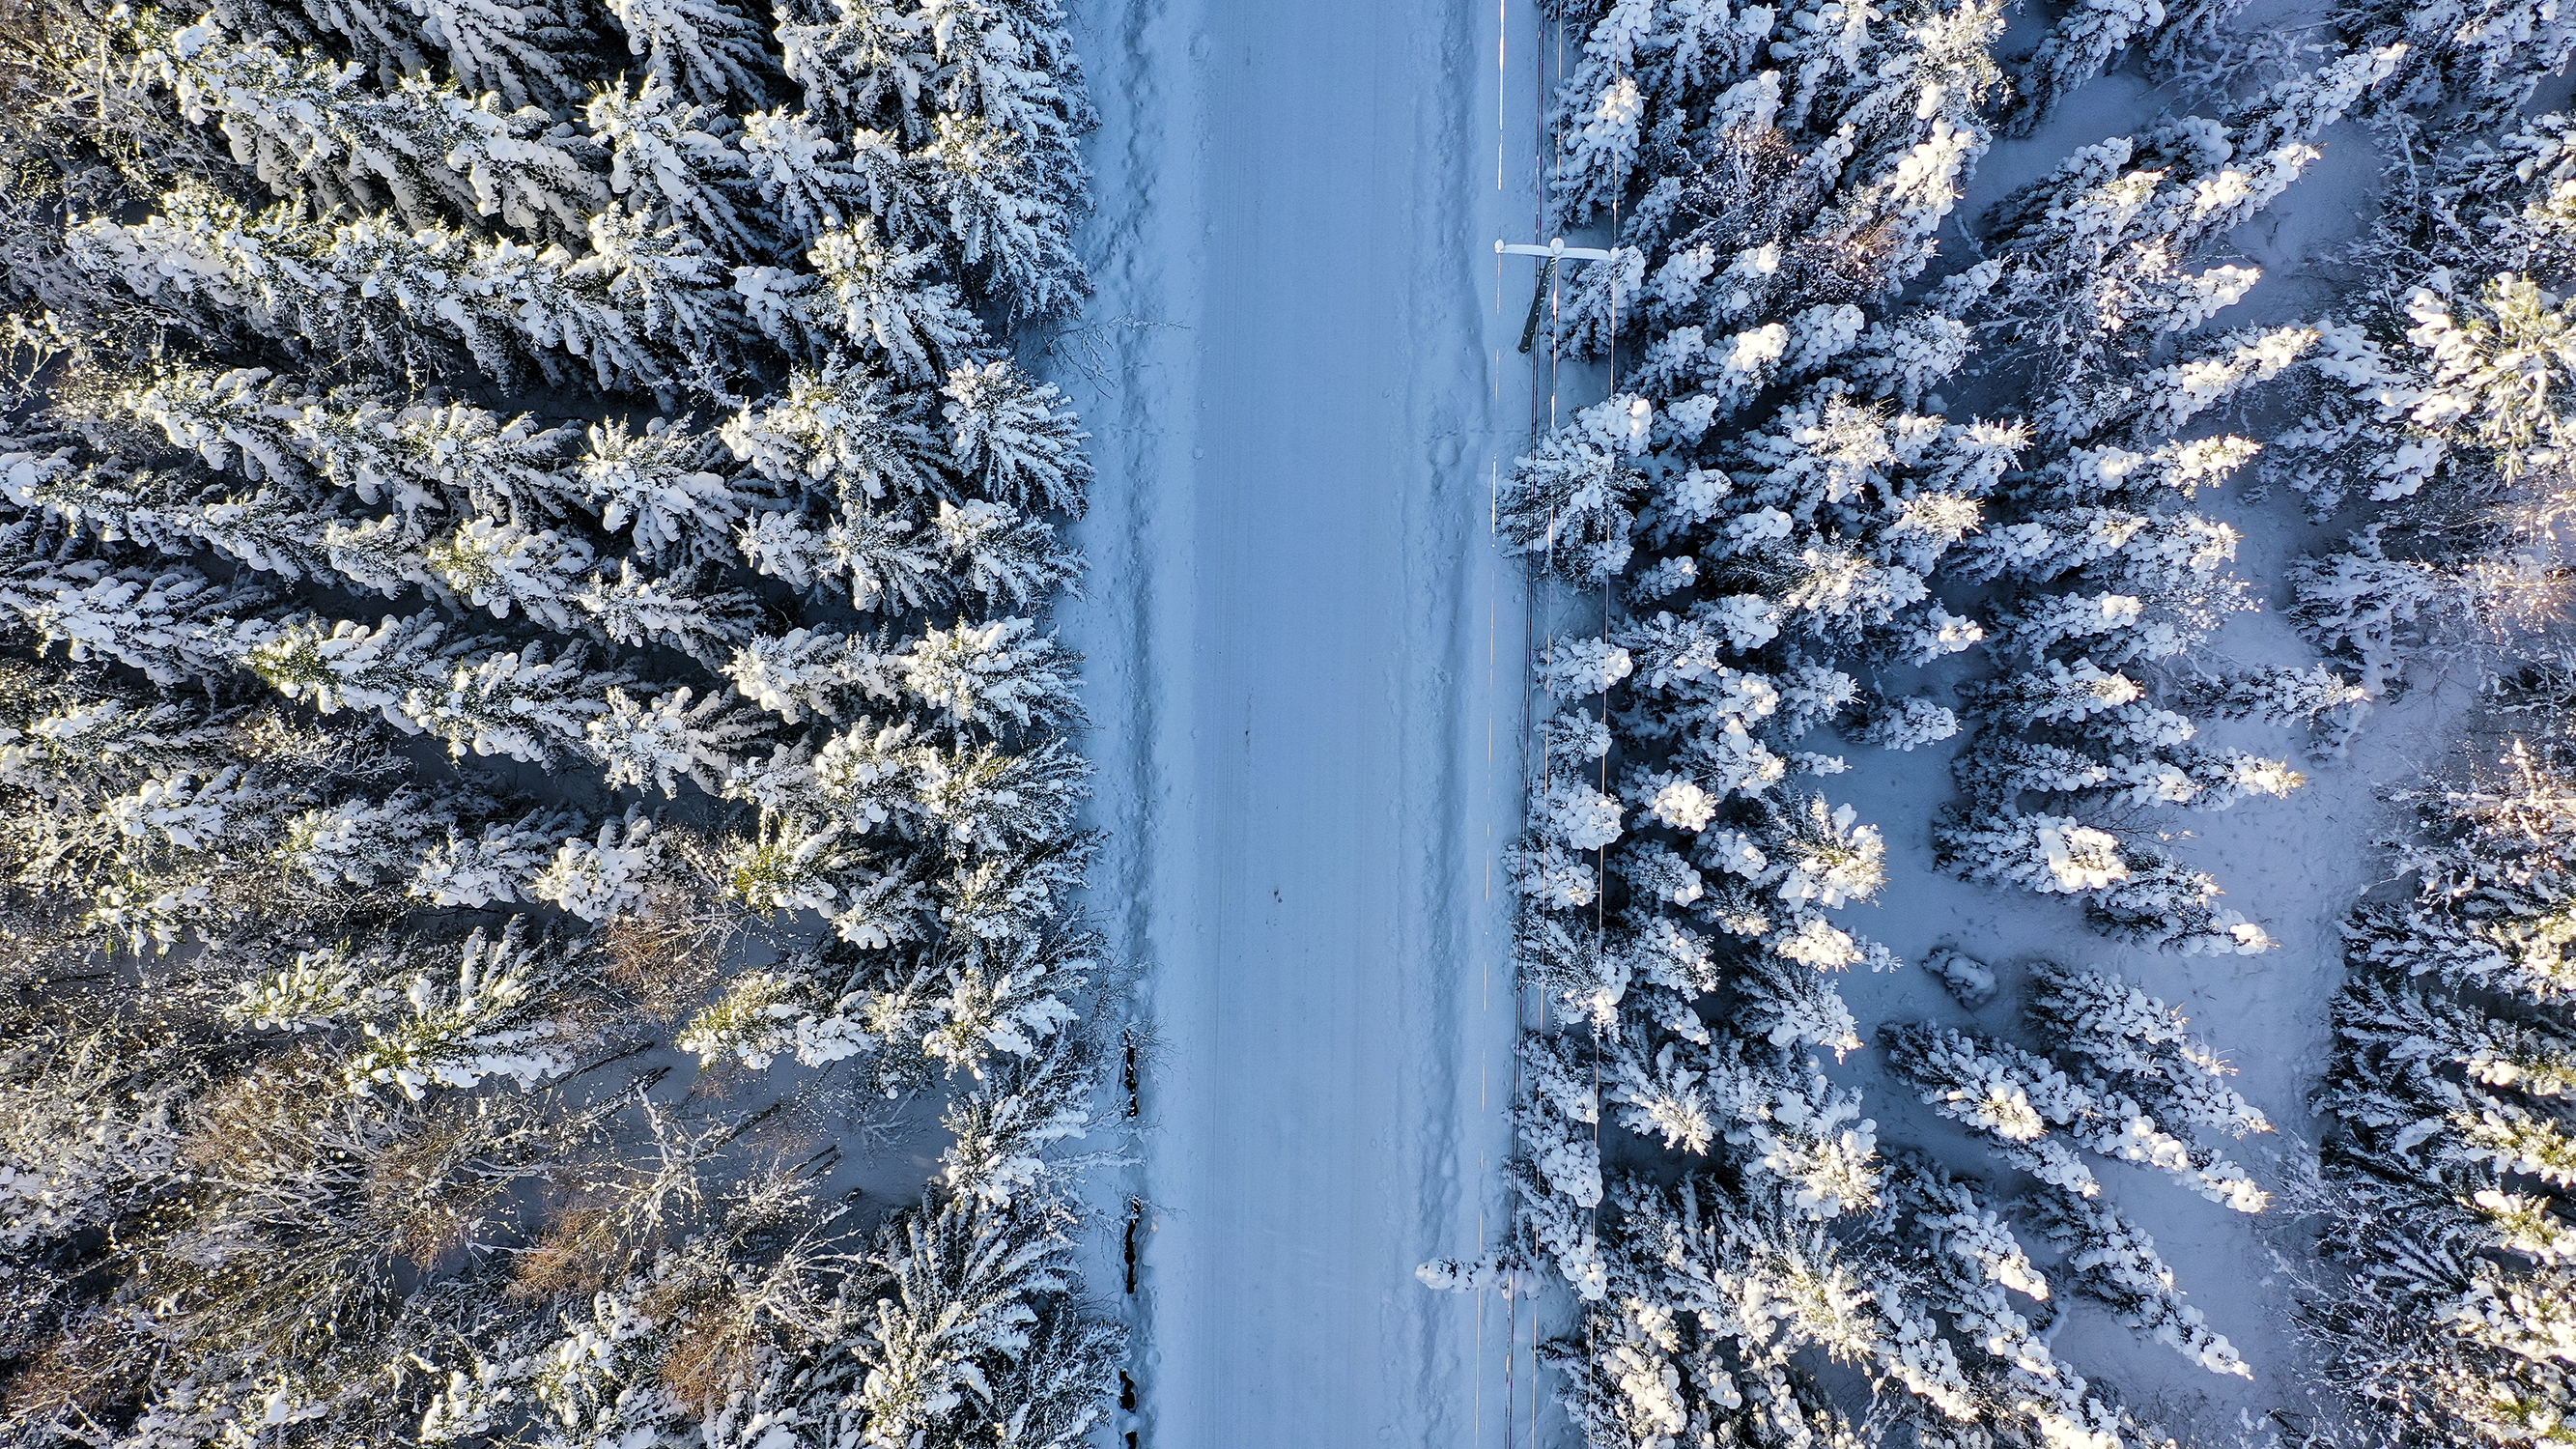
{"type": "Point", "coordinates": [1305, 680]}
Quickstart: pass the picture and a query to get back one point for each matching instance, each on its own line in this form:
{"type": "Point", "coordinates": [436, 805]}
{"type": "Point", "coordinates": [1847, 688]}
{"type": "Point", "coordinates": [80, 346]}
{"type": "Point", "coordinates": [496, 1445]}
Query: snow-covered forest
{"type": "Point", "coordinates": [696, 752]}
{"type": "Point", "coordinates": [540, 787]}
{"type": "Point", "coordinates": [1965, 483]}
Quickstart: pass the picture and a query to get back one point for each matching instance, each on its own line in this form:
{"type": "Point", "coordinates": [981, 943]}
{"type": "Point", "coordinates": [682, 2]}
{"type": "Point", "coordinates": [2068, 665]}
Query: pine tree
{"type": "Point", "coordinates": [664, 162]}
{"type": "Point", "coordinates": [517, 702]}
{"type": "Point", "coordinates": [2446, 1087]}
{"type": "Point", "coordinates": [1906, 724]}
{"type": "Point", "coordinates": [765, 1014]}
{"type": "Point", "coordinates": [2086, 39]}
{"type": "Point", "coordinates": [266, 529]}
{"type": "Point", "coordinates": [1568, 502]}
{"type": "Point", "coordinates": [1003, 554]}
{"type": "Point", "coordinates": [2125, 1037]}
{"type": "Point", "coordinates": [2020, 1099]}
{"type": "Point", "coordinates": [978, 675]}
{"type": "Point", "coordinates": [519, 50]}
{"type": "Point", "coordinates": [844, 429]}
{"type": "Point", "coordinates": [2484, 60]}
{"type": "Point", "coordinates": [364, 842]}
{"type": "Point", "coordinates": [960, 1317]}
{"type": "Point", "coordinates": [498, 566]}
{"type": "Point", "coordinates": [868, 294]}
{"type": "Point", "coordinates": [495, 863]}
{"type": "Point", "coordinates": [653, 486]}
{"type": "Point", "coordinates": [429, 151]}
{"type": "Point", "coordinates": [1015, 440]}
{"type": "Point", "coordinates": [172, 624]}
{"type": "Point", "coordinates": [1010, 211]}
{"type": "Point", "coordinates": [2096, 255]}
{"type": "Point", "coordinates": [1977, 1264]}
{"type": "Point", "coordinates": [604, 876]}
{"type": "Point", "coordinates": [706, 50]}
{"type": "Point", "coordinates": [425, 1028]}
{"type": "Point", "coordinates": [634, 609]}
{"type": "Point", "coordinates": [803, 186]}
{"type": "Point", "coordinates": [420, 456]}
{"type": "Point", "coordinates": [350, 666]}
{"type": "Point", "coordinates": [2110, 1258]}
{"type": "Point", "coordinates": [640, 301]}
{"type": "Point", "coordinates": [869, 61]}
{"type": "Point", "coordinates": [655, 744]}
{"type": "Point", "coordinates": [794, 675]}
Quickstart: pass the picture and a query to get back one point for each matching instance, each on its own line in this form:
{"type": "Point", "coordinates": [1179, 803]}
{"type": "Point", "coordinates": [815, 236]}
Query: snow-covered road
{"type": "Point", "coordinates": [1305, 683]}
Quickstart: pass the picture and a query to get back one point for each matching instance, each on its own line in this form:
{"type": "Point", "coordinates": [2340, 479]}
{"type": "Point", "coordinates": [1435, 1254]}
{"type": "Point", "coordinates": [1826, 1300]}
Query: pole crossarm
{"type": "Point", "coordinates": [1555, 250]}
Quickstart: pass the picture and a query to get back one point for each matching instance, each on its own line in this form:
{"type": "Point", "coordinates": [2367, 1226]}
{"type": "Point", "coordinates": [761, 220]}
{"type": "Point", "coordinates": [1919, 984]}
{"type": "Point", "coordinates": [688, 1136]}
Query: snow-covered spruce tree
{"type": "Point", "coordinates": [311, 1132]}
{"type": "Point", "coordinates": [1725, 883]}
{"type": "Point", "coordinates": [2112, 253]}
{"type": "Point", "coordinates": [2037, 1115]}
{"type": "Point", "coordinates": [968, 119]}
{"type": "Point", "coordinates": [2083, 515]}
{"type": "Point", "coordinates": [2468, 66]}
{"type": "Point", "coordinates": [706, 50]}
{"type": "Point", "coordinates": [530, 53]}
{"type": "Point", "coordinates": [2127, 1042]}
{"type": "Point", "coordinates": [2449, 1249]}
{"type": "Point", "coordinates": [174, 818]}
{"type": "Point", "coordinates": [2091, 36]}
{"type": "Point", "coordinates": [2111, 1259]}
{"type": "Point", "coordinates": [1972, 1267]}
{"type": "Point", "coordinates": [428, 150]}
{"type": "Point", "coordinates": [2437, 402]}
{"type": "Point", "coordinates": [2121, 1080]}
{"type": "Point", "coordinates": [642, 306]}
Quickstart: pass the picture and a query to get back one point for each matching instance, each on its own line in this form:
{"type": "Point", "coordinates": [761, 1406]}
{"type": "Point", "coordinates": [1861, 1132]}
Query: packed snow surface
{"type": "Point", "coordinates": [1304, 676]}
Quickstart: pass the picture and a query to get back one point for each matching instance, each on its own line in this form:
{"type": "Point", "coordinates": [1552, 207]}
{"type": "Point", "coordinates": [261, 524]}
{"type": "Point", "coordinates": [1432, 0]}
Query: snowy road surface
{"type": "Point", "coordinates": [1304, 682]}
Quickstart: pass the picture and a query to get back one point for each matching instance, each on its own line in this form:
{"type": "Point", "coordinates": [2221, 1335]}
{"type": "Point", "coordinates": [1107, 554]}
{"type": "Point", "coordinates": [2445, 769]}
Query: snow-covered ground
{"type": "Point", "coordinates": [1305, 683]}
